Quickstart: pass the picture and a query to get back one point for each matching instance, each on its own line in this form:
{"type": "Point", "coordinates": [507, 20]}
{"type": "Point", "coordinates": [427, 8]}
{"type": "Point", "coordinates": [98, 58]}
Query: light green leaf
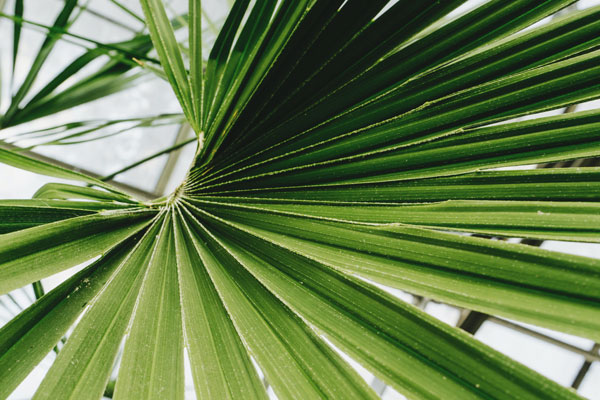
{"type": "Point", "coordinates": [559, 184]}
{"type": "Point", "coordinates": [169, 54]}
{"type": "Point", "coordinates": [68, 204]}
{"type": "Point", "coordinates": [220, 363]}
{"type": "Point", "coordinates": [61, 191]}
{"type": "Point", "coordinates": [84, 365]}
{"type": "Point", "coordinates": [342, 145]}
{"type": "Point", "coordinates": [575, 221]}
{"type": "Point", "coordinates": [196, 62]}
{"type": "Point", "coordinates": [411, 351]}
{"type": "Point", "coordinates": [152, 364]}
{"type": "Point", "coordinates": [295, 361]}
{"type": "Point", "coordinates": [20, 216]}
{"type": "Point", "coordinates": [26, 340]}
{"type": "Point", "coordinates": [31, 254]}
{"type": "Point", "coordinates": [39, 167]}
{"type": "Point", "coordinates": [551, 289]}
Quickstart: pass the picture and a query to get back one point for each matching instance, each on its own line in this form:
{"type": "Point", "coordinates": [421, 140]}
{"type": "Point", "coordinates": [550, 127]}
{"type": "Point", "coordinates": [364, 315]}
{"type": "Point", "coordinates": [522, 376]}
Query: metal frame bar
{"type": "Point", "coordinates": [585, 367]}
{"type": "Point", "coordinates": [589, 355]}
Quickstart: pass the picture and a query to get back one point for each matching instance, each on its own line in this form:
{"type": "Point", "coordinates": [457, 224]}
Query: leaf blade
{"type": "Point", "coordinates": [31, 254]}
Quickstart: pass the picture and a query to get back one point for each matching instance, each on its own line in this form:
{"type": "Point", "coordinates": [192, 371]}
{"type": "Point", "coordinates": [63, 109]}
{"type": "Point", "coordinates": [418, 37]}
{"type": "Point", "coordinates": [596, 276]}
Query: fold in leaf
{"type": "Point", "coordinates": [17, 217]}
{"type": "Point", "coordinates": [575, 221]}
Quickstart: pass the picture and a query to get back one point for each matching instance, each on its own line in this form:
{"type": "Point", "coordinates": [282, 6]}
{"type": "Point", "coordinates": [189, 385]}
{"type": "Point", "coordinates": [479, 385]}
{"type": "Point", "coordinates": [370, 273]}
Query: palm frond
{"type": "Point", "coordinates": [341, 146]}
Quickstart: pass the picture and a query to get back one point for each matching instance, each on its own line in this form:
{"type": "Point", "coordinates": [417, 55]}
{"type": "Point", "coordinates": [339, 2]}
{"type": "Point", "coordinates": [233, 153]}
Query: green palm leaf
{"type": "Point", "coordinates": [341, 145]}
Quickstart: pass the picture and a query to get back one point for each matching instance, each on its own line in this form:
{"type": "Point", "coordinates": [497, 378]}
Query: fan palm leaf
{"type": "Point", "coordinates": [341, 145]}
